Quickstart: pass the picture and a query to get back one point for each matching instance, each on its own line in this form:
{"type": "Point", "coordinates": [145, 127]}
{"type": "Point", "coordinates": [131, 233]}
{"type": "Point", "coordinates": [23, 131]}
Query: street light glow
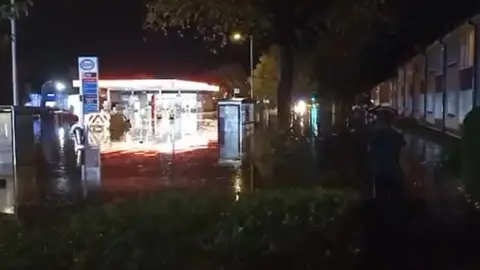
{"type": "Point", "coordinates": [300, 107]}
{"type": "Point", "coordinates": [236, 36]}
{"type": "Point", "coordinates": [60, 86]}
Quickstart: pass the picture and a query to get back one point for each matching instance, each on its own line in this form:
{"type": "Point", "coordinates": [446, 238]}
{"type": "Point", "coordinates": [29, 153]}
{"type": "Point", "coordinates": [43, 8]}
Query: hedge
{"type": "Point", "coordinates": [179, 229]}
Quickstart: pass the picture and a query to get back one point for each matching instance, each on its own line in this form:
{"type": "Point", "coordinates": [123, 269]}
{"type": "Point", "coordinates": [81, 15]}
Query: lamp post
{"type": "Point", "coordinates": [238, 37]}
{"type": "Point", "coordinates": [13, 37]}
{"type": "Point", "coordinates": [58, 86]}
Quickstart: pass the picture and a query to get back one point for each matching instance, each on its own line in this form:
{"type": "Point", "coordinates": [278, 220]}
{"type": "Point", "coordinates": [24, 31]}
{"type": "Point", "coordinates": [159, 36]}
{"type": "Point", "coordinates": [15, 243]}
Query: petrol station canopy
{"type": "Point", "coordinates": [153, 84]}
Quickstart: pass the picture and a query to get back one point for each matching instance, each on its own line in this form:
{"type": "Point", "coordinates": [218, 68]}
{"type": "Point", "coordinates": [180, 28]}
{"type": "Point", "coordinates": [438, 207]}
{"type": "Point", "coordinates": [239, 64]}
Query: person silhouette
{"type": "Point", "coordinates": [385, 147]}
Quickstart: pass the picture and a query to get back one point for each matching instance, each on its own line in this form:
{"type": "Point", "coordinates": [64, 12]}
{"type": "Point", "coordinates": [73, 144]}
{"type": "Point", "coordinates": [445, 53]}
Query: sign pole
{"type": "Point", "coordinates": [88, 75]}
{"type": "Point", "coordinates": [251, 66]}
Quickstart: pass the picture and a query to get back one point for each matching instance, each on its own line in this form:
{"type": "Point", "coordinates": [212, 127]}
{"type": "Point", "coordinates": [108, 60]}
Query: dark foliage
{"type": "Point", "coordinates": [190, 230]}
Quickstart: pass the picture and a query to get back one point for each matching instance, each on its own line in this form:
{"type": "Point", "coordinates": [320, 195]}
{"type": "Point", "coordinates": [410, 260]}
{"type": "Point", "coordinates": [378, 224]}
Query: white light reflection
{"type": "Point", "coordinates": [7, 193]}
{"type": "Point", "coordinates": [314, 120]}
{"type": "Point", "coordinates": [61, 136]}
{"type": "Point", "coordinates": [238, 184]}
{"type": "Point", "coordinates": [300, 107]}
{"type": "Point", "coordinates": [187, 143]}
{"type": "Point", "coordinates": [9, 210]}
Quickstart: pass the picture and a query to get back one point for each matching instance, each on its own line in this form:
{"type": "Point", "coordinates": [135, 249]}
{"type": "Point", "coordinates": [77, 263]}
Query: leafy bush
{"type": "Point", "coordinates": [191, 230]}
{"type": "Point", "coordinates": [470, 158]}
{"type": "Point", "coordinates": [284, 157]}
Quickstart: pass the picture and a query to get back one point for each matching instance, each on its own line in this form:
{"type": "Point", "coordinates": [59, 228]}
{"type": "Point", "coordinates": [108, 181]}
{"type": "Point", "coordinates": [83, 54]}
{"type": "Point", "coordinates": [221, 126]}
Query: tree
{"type": "Point", "coordinates": [230, 76]}
{"type": "Point", "coordinates": [304, 80]}
{"type": "Point", "coordinates": [6, 10]}
{"type": "Point", "coordinates": [286, 23]}
{"type": "Point", "coordinates": [266, 75]}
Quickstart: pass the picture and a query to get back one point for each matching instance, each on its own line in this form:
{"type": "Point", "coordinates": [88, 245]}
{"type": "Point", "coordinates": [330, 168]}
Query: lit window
{"type": "Point", "coordinates": [467, 48]}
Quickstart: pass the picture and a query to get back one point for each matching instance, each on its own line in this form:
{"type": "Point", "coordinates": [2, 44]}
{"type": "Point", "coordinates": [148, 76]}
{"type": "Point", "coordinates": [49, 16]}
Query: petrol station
{"type": "Point", "coordinates": [150, 98]}
{"type": "Point", "coordinates": [169, 104]}
{"type": "Point", "coordinates": [143, 102]}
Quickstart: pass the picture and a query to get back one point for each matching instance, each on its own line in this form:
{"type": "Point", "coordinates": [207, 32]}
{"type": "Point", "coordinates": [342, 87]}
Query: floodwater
{"type": "Point", "coordinates": [171, 153]}
{"type": "Point", "coordinates": [167, 153]}
{"type": "Point", "coordinates": [427, 180]}
{"type": "Point", "coordinates": [184, 153]}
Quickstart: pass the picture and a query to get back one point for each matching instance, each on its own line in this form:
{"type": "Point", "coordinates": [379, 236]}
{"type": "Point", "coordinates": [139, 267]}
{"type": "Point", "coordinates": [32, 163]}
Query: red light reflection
{"type": "Point", "coordinates": [190, 161]}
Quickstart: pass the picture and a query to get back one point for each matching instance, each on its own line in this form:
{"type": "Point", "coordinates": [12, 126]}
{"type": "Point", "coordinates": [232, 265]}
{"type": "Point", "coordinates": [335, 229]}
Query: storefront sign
{"type": "Point", "coordinates": [88, 75]}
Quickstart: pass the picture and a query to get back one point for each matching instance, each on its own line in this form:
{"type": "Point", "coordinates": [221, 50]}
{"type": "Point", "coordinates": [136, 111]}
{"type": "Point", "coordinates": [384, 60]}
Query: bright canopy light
{"type": "Point", "coordinates": [151, 84]}
{"type": "Point", "coordinates": [300, 107]}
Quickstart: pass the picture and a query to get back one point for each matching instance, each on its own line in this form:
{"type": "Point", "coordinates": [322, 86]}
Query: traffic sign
{"type": "Point", "coordinates": [98, 120]}
{"type": "Point", "coordinates": [97, 138]}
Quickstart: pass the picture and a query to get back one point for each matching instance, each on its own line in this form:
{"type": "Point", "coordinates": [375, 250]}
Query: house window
{"type": "Point", "coordinates": [467, 49]}
{"type": "Point", "coordinates": [401, 76]}
{"type": "Point", "coordinates": [439, 87]}
{"type": "Point", "coordinates": [466, 78]}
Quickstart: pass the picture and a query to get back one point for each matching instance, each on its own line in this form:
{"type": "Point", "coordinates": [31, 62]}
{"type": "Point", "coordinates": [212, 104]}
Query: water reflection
{"type": "Point", "coordinates": [238, 184]}
{"type": "Point", "coordinates": [61, 137]}
{"type": "Point", "coordinates": [7, 189]}
{"type": "Point", "coordinates": [174, 152]}
{"type": "Point", "coordinates": [164, 153]}
{"type": "Point", "coordinates": [56, 169]}
{"type": "Point", "coordinates": [314, 119]}
{"type": "Point", "coordinates": [180, 135]}
{"type": "Point", "coordinates": [52, 177]}
{"type": "Point", "coordinates": [427, 179]}
{"type": "Point", "coordinates": [179, 152]}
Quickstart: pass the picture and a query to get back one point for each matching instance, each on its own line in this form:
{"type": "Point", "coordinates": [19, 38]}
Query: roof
{"type": "Point", "coordinates": [153, 84]}
{"type": "Point", "coordinates": [235, 100]}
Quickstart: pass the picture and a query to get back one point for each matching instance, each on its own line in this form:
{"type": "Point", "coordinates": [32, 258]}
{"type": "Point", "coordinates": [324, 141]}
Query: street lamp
{"type": "Point", "coordinates": [239, 37]}
{"type": "Point", "coordinates": [13, 39]}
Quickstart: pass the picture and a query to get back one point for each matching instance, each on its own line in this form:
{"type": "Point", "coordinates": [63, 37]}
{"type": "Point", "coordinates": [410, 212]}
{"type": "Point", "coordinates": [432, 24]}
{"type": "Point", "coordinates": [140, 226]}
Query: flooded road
{"type": "Point", "coordinates": [168, 153]}
{"type": "Point", "coordinates": [184, 153]}
{"type": "Point", "coordinates": [174, 153]}
{"type": "Point", "coordinates": [441, 190]}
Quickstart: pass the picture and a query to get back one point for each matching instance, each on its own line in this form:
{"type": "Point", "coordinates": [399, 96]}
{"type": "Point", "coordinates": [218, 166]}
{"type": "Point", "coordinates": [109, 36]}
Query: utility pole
{"type": "Point", "coordinates": [13, 37]}
{"type": "Point", "coordinates": [251, 66]}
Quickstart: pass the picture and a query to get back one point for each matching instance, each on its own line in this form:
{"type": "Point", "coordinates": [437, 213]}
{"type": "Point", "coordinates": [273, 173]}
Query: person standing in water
{"type": "Point", "coordinates": [385, 147]}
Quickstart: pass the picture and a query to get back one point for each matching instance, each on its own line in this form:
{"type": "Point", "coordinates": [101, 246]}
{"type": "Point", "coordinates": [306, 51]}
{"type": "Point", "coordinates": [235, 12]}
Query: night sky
{"type": "Point", "coordinates": [56, 32]}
